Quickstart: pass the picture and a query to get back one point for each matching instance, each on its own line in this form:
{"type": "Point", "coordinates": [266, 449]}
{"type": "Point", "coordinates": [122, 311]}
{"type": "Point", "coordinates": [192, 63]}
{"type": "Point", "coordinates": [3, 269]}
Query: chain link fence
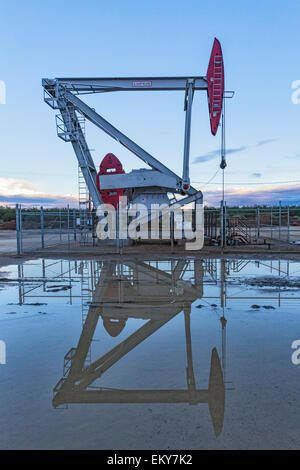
{"type": "Point", "coordinates": [264, 224]}
{"type": "Point", "coordinates": [252, 225]}
{"type": "Point", "coordinates": [42, 228]}
{"type": "Point", "coordinates": [225, 226]}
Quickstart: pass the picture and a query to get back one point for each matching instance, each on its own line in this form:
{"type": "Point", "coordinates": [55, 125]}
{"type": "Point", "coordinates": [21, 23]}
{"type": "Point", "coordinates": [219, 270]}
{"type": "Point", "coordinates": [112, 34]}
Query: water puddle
{"type": "Point", "coordinates": [165, 354]}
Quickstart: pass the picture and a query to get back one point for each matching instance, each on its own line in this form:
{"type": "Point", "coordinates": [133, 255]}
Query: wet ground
{"type": "Point", "coordinates": [134, 354]}
{"type": "Point", "coordinates": [8, 242]}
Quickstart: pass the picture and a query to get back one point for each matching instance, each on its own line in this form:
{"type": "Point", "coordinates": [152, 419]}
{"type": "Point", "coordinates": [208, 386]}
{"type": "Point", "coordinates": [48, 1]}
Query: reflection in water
{"type": "Point", "coordinates": [138, 290]}
{"type": "Point", "coordinates": [125, 303]}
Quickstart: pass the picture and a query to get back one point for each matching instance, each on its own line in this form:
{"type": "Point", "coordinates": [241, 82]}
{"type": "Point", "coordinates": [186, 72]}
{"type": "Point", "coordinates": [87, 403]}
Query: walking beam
{"type": "Point", "coordinates": [102, 85]}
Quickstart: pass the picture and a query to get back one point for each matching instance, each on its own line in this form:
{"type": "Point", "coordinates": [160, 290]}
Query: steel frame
{"type": "Point", "coordinates": [62, 94]}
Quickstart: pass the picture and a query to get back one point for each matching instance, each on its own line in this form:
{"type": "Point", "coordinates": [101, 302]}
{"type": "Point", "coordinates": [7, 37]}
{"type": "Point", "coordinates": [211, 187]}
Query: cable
{"type": "Point", "coordinates": [209, 181]}
{"type": "Point", "coordinates": [223, 163]}
{"type": "Point", "coordinates": [246, 182]}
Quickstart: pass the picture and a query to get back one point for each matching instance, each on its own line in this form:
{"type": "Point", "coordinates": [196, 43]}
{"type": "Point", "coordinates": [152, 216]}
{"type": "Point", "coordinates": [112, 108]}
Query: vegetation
{"type": "Point", "coordinates": [31, 217]}
{"type": "Point", "coordinates": [7, 214]}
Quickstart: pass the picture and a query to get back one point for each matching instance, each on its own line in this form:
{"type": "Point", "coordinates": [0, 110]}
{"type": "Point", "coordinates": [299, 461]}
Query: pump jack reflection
{"type": "Point", "coordinates": [149, 293]}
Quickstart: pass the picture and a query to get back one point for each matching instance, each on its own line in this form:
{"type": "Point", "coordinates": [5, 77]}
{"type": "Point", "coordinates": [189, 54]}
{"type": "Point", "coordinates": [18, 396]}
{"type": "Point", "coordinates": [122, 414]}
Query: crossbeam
{"type": "Point", "coordinates": [103, 85]}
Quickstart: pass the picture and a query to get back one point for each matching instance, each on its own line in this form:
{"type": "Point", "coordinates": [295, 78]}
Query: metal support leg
{"type": "Point", "coordinates": [83, 154]}
{"type": "Point", "coordinates": [187, 134]}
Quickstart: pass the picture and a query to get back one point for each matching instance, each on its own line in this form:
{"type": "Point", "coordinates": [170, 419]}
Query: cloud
{"type": "Point", "coordinates": [255, 175]}
{"type": "Point", "coordinates": [216, 153]}
{"type": "Point", "coordinates": [207, 157]}
{"type": "Point", "coordinates": [11, 186]}
{"type": "Point", "coordinates": [263, 196]}
{"type": "Point", "coordinates": [14, 191]}
{"type": "Point", "coordinates": [266, 141]}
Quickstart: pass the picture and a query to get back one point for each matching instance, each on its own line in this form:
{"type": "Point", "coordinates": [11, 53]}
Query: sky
{"type": "Point", "coordinates": [260, 42]}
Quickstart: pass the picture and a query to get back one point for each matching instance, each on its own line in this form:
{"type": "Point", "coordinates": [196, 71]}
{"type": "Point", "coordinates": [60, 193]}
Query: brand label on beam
{"type": "Point", "coordinates": [142, 84]}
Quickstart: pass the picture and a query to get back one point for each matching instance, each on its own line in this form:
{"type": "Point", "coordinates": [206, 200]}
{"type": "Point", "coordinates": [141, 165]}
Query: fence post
{"type": "Point", "coordinates": [288, 224]}
{"type": "Point", "coordinates": [18, 229]}
{"type": "Point", "coordinates": [68, 224]}
{"type": "Point", "coordinates": [94, 235]}
{"type": "Point", "coordinates": [172, 230]}
{"type": "Point", "coordinates": [59, 224]}
{"type": "Point", "coordinates": [222, 224]}
{"type": "Point", "coordinates": [21, 228]}
{"type": "Point", "coordinates": [42, 227]}
{"type": "Point", "coordinates": [258, 222]}
{"type": "Point", "coordinates": [74, 223]}
{"type": "Point", "coordinates": [118, 227]}
{"type": "Point", "coordinates": [271, 222]}
{"type": "Point", "coordinates": [279, 220]}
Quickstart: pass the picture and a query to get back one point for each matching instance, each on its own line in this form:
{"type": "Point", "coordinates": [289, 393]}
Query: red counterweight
{"type": "Point", "coordinates": [215, 85]}
{"type": "Point", "coordinates": [110, 165]}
